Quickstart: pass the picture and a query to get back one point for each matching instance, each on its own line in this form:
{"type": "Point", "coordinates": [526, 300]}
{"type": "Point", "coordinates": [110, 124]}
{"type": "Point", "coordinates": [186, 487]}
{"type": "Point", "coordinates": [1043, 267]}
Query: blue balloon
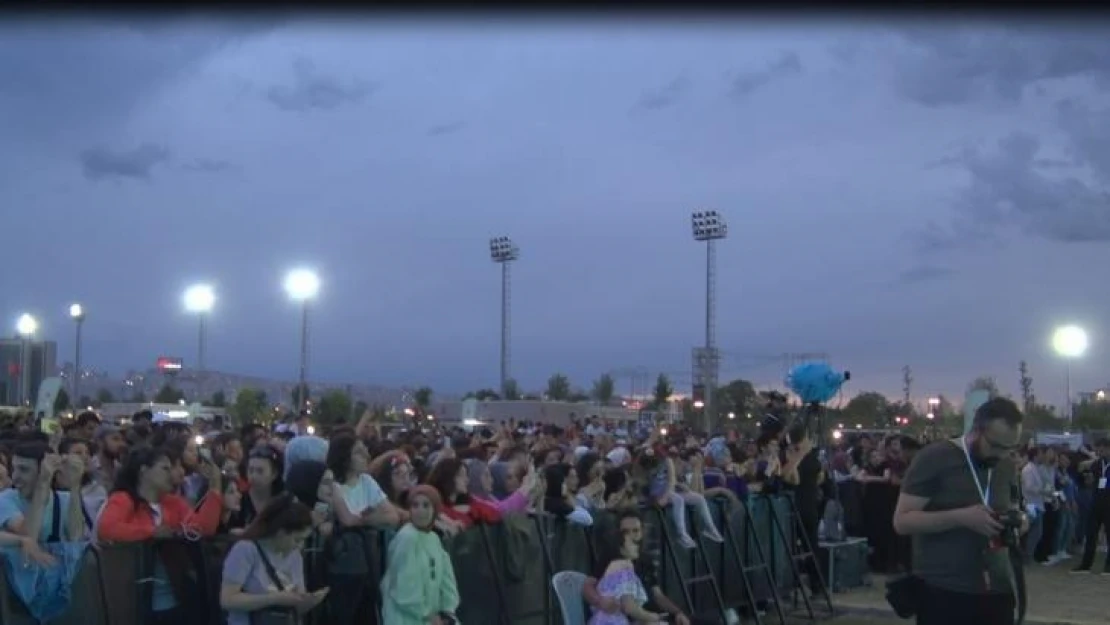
{"type": "Point", "coordinates": [815, 382]}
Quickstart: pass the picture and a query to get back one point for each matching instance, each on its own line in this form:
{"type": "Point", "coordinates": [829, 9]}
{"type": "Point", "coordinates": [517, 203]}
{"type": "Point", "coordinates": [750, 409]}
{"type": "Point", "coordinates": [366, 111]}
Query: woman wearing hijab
{"type": "Point", "coordinates": [419, 586]}
{"type": "Point", "coordinates": [481, 483]}
{"type": "Point", "coordinates": [559, 500]}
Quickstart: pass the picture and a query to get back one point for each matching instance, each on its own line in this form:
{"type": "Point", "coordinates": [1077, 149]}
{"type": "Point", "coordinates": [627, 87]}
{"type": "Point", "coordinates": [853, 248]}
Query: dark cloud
{"type": "Point", "coordinates": [925, 273]}
{"type": "Point", "coordinates": [663, 97]}
{"type": "Point", "coordinates": [58, 75]}
{"type": "Point", "coordinates": [745, 83]}
{"type": "Point", "coordinates": [208, 165]}
{"type": "Point", "coordinates": [951, 65]}
{"type": "Point", "coordinates": [1008, 188]}
{"type": "Point", "coordinates": [101, 163]}
{"type": "Point", "coordinates": [312, 89]}
{"type": "Point", "coordinates": [440, 130]}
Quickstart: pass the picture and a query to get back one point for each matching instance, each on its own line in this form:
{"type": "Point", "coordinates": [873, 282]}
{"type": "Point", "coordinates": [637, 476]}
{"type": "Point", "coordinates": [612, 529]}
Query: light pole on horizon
{"type": "Point", "coordinates": [199, 300]}
{"type": "Point", "coordinates": [77, 313]}
{"type": "Point", "coordinates": [709, 226]}
{"type": "Point", "coordinates": [25, 326]}
{"type": "Point", "coordinates": [1069, 342]}
{"type": "Point", "coordinates": [503, 252]}
{"type": "Point", "coordinates": [302, 285]}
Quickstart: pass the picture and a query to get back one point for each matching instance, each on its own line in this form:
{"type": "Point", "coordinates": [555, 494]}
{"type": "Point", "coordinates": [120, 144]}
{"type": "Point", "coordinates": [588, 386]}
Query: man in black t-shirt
{"type": "Point", "coordinates": [952, 501]}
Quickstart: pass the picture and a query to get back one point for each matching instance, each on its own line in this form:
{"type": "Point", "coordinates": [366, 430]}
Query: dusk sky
{"type": "Point", "coordinates": [929, 194]}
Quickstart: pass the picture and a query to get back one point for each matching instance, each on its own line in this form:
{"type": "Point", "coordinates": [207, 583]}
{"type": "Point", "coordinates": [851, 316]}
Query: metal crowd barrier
{"type": "Point", "coordinates": [503, 570]}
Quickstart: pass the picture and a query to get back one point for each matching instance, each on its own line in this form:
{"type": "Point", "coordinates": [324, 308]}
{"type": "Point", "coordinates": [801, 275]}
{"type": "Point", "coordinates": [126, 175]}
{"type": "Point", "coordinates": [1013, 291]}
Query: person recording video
{"type": "Point", "coordinates": [957, 505]}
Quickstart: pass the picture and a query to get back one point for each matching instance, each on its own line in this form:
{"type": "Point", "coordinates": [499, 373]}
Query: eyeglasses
{"type": "Point", "coordinates": [265, 453]}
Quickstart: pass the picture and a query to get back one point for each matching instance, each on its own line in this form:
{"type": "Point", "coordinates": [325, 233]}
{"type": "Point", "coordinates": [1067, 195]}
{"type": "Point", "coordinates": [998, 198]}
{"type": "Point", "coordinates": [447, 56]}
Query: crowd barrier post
{"type": "Point", "coordinates": [498, 584]}
{"type": "Point", "coordinates": [760, 564]}
{"type": "Point", "coordinates": [799, 551]}
{"type": "Point", "coordinates": [687, 584]}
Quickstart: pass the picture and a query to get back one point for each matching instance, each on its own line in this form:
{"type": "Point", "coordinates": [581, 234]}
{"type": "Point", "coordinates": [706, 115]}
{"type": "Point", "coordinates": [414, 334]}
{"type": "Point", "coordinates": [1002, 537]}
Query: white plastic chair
{"type": "Point", "coordinates": [568, 588]}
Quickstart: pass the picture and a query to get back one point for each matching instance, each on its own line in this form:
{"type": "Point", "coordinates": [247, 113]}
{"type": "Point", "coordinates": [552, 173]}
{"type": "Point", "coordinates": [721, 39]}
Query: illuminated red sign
{"type": "Point", "coordinates": [167, 364]}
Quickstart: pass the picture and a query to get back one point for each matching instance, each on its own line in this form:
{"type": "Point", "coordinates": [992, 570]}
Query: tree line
{"type": "Point", "coordinates": [737, 401]}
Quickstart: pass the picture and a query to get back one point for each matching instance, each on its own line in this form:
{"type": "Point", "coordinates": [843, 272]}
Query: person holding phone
{"type": "Point", "coordinates": [263, 573]}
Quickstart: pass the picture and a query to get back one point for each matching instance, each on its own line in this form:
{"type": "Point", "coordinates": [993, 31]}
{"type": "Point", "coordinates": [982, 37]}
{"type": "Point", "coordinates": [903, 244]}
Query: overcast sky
{"type": "Point", "coordinates": [932, 195]}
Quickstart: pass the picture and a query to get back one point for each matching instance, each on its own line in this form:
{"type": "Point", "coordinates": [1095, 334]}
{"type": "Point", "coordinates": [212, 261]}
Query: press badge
{"type": "Point", "coordinates": [1102, 483]}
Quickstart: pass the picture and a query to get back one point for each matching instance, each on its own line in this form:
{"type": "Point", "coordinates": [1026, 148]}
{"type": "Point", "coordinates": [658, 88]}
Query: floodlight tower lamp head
{"type": "Point", "coordinates": [708, 225]}
{"type": "Point", "coordinates": [502, 250]}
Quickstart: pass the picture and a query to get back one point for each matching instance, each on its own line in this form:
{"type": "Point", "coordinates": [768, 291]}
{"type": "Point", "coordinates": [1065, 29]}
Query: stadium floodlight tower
{"type": "Point", "coordinates": [77, 313]}
{"type": "Point", "coordinates": [1069, 342]}
{"type": "Point", "coordinates": [302, 285]}
{"type": "Point", "coordinates": [503, 252]}
{"type": "Point", "coordinates": [709, 226]}
{"type": "Point", "coordinates": [26, 327]}
{"type": "Point", "coordinates": [199, 300]}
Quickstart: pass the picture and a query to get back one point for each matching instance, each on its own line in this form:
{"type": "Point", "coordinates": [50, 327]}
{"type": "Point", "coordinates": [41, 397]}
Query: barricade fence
{"type": "Point", "coordinates": [503, 570]}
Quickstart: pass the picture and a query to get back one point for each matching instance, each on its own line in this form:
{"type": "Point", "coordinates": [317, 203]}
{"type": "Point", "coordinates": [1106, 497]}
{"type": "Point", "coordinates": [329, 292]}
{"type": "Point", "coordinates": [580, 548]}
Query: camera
{"type": "Point", "coordinates": [1011, 521]}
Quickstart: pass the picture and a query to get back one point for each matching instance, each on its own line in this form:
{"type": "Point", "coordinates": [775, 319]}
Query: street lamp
{"type": "Point", "coordinates": [199, 300]}
{"type": "Point", "coordinates": [25, 326]}
{"type": "Point", "coordinates": [1069, 342]}
{"type": "Point", "coordinates": [708, 226]}
{"type": "Point", "coordinates": [77, 313]}
{"type": "Point", "coordinates": [302, 285]}
{"type": "Point", "coordinates": [503, 252]}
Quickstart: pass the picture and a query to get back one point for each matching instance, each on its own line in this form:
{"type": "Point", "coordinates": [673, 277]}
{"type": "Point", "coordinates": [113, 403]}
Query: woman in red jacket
{"type": "Point", "coordinates": [450, 477]}
{"type": "Point", "coordinates": [143, 506]}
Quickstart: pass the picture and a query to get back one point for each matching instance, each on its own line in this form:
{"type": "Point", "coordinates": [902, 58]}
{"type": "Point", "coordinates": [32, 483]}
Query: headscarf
{"type": "Point", "coordinates": [433, 496]}
{"type": "Point", "coordinates": [619, 456]}
{"type": "Point", "coordinates": [303, 480]}
{"type": "Point", "coordinates": [553, 501]}
{"type": "Point", "coordinates": [474, 469]}
{"type": "Point", "coordinates": [305, 448]}
{"type": "Point", "coordinates": [718, 453]}
{"type": "Point", "coordinates": [500, 471]}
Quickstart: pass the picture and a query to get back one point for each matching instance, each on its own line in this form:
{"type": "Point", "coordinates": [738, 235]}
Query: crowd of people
{"type": "Point", "coordinates": [269, 490]}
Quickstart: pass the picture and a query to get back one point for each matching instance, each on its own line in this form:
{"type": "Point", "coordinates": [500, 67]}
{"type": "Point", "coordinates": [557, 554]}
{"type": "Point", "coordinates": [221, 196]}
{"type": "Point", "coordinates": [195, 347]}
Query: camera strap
{"type": "Point", "coordinates": [984, 493]}
{"type": "Point", "coordinates": [1017, 577]}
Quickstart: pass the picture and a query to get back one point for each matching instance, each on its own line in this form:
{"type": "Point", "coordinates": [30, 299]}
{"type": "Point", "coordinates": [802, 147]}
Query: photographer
{"type": "Point", "coordinates": [957, 505]}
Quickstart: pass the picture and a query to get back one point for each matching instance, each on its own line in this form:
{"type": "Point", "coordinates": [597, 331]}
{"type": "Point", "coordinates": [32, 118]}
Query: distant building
{"type": "Point", "coordinates": [40, 362]}
{"type": "Point", "coordinates": [1093, 396]}
{"type": "Point", "coordinates": [557, 413]}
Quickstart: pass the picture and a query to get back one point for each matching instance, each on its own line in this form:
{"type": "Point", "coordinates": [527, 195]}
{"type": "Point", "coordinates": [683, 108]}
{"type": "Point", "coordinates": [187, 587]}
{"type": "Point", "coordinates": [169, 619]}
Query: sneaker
{"type": "Point", "coordinates": [713, 535]}
{"type": "Point", "coordinates": [687, 542]}
{"type": "Point", "coordinates": [1081, 569]}
{"type": "Point", "coordinates": [1063, 555]}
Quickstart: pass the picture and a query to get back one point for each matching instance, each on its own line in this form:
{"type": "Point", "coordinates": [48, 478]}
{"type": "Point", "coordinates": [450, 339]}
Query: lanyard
{"type": "Point", "coordinates": [985, 494]}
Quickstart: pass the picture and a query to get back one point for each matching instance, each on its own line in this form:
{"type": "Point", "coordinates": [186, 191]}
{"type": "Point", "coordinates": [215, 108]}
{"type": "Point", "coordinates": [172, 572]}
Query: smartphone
{"type": "Point", "coordinates": [206, 454]}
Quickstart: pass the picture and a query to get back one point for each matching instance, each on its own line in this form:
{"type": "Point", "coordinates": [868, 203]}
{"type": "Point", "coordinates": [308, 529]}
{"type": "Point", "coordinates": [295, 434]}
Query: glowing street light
{"type": "Point", "coordinates": [199, 300]}
{"type": "Point", "coordinates": [25, 326]}
{"type": "Point", "coordinates": [77, 313]}
{"type": "Point", "coordinates": [302, 285]}
{"type": "Point", "coordinates": [1069, 342]}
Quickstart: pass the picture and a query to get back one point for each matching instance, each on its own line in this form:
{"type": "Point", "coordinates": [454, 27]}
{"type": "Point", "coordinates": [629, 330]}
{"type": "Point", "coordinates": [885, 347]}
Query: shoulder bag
{"type": "Point", "coordinates": [273, 615]}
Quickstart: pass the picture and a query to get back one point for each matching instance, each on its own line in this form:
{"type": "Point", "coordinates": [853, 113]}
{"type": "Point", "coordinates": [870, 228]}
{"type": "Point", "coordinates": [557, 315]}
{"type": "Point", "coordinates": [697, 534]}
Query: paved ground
{"type": "Point", "coordinates": [1055, 597]}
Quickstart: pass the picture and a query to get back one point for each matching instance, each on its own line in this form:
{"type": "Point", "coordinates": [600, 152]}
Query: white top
{"type": "Point", "coordinates": [363, 495]}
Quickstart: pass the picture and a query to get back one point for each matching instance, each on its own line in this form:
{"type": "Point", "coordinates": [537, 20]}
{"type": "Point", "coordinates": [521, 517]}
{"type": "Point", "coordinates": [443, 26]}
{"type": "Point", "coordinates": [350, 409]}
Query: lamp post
{"type": "Point", "coordinates": [199, 300]}
{"type": "Point", "coordinates": [302, 285]}
{"type": "Point", "coordinates": [934, 407]}
{"type": "Point", "coordinates": [77, 313]}
{"type": "Point", "coordinates": [709, 226]}
{"type": "Point", "coordinates": [1069, 342]}
{"type": "Point", "coordinates": [503, 252]}
{"type": "Point", "coordinates": [25, 326]}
